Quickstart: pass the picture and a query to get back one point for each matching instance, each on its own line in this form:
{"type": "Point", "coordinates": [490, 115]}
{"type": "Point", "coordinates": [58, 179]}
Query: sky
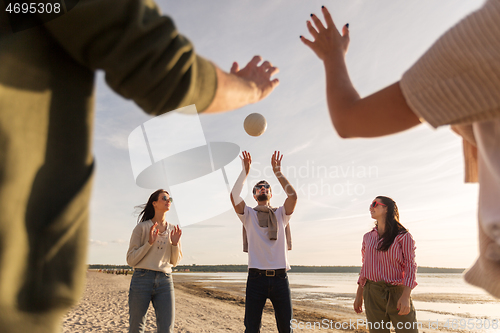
{"type": "Point", "coordinates": [336, 179]}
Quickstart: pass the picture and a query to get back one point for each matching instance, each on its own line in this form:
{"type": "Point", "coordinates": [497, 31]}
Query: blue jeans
{"type": "Point", "coordinates": [261, 287]}
{"type": "Point", "coordinates": [147, 286]}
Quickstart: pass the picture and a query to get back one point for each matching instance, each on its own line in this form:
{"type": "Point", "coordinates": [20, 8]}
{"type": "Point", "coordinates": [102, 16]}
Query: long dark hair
{"type": "Point", "coordinates": [148, 210]}
{"type": "Point", "coordinates": [392, 225]}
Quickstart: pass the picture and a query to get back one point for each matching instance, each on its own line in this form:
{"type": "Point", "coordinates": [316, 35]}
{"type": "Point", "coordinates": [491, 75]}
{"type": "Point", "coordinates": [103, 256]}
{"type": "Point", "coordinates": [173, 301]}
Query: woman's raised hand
{"type": "Point", "coordinates": [328, 42]}
{"type": "Point", "coordinates": [153, 233]}
{"type": "Point", "coordinates": [175, 235]}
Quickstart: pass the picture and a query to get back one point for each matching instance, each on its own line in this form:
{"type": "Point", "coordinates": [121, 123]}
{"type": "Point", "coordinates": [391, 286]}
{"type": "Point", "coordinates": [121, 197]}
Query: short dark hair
{"type": "Point", "coordinates": [261, 182]}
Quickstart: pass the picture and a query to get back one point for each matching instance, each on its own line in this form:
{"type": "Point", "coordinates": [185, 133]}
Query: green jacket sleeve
{"type": "Point", "coordinates": [142, 54]}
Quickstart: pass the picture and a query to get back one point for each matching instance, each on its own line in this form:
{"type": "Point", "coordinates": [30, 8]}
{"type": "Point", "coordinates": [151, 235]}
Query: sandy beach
{"type": "Point", "coordinates": [204, 304]}
{"type": "Point", "coordinates": [200, 307]}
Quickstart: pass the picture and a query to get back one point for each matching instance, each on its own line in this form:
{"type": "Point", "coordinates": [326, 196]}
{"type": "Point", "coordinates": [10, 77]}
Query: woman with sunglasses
{"type": "Point", "coordinates": [154, 249]}
{"type": "Point", "coordinates": [388, 273]}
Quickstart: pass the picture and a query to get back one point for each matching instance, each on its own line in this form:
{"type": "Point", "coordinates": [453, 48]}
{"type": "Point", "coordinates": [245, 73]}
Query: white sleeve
{"type": "Point", "coordinates": [245, 216]}
{"type": "Point", "coordinates": [285, 218]}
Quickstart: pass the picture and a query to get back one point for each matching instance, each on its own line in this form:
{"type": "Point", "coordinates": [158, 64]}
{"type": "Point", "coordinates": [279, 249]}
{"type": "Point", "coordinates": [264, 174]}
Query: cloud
{"type": "Point", "coordinates": [199, 225]}
{"type": "Point", "coordinates": [303, 146]}
{"type": "Point", "coordinates": [102, 243]}
{"type": "Point", "coordinates": [115, 139]}
{"type": "Point", "coordinates": [119, 241]}
{"type": "Point", "coordinates": [98, 242]}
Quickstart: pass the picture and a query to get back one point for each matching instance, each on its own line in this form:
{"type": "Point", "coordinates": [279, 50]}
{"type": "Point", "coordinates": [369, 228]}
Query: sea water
{"type": "Point", "coordinates": [447, 298]}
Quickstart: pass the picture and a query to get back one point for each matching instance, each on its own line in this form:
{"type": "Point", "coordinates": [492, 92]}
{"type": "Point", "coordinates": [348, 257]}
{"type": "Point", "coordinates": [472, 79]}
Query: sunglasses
{"type": "Point", "coordinates": [167, 199]}
{"type": "Point", "coordinates": [376, 203]}
{"type": "Point", "coordinates": [259, 186]}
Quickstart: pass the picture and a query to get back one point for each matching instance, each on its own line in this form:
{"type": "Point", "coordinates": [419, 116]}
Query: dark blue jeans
{"type": "Point", "coordinates": [151, 286]}
{"type": "Point", "coordinates": [261, 287]}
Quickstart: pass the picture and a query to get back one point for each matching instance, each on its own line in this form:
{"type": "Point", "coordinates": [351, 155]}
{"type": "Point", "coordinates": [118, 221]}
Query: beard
{"type": "Point", "coordinates": [263, 197]}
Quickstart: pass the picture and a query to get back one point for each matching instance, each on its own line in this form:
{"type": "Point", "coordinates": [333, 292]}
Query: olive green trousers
{"type": "Point", "coordinates": [381, 306]}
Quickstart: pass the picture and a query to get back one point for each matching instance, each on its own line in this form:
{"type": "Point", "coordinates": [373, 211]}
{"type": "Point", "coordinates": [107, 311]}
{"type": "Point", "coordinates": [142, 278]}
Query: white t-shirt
{"type": "Point", "coordinates": [264, 253]}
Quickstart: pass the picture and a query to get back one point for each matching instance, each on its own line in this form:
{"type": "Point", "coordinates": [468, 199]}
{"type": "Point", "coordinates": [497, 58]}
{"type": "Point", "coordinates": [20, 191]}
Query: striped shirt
{"type": "Point", "coordinates": [396, 266]}
{"type": "Point", "coordinates": [456, 81]}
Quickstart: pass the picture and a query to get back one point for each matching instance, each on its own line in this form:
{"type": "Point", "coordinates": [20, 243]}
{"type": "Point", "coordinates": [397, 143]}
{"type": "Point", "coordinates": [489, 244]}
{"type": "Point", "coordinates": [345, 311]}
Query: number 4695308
{"type": "Point", "coordinates": [471, 324]}
{"type": "Point", "coordinates": [33, 7]}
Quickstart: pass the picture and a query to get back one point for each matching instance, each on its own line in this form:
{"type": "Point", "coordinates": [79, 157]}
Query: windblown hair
{"type": "Point", "coordinates": [148, 210]}
{"type": "Point", "coordinates": [392, 225]}
{"type": "Point", "coordinates": [262, 182]}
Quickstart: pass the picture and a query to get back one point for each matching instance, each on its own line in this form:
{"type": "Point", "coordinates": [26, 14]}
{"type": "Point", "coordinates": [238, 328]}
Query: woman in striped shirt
{"type": "Point", "coordinates": [388, 272]}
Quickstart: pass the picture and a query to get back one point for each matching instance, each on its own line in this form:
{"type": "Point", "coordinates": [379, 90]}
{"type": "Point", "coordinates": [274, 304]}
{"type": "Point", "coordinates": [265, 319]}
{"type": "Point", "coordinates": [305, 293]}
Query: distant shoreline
{"type": "Point", "coordinates": [295, 269]}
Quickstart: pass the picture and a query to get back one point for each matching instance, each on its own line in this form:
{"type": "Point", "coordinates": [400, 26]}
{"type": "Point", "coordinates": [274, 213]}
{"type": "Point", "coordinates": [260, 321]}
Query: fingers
{"type": "Point", "coordinates": [235, 68]}
{"type": "Point", "coordinates": [311, 29]}
{"type": "Point", "coordinates": [345, 31]}
{"type": "Point", "coordinates": [269, 69]}
{"type": "Point", "coordinates": [255, 60]}
{"type": "Point", "coordinates": [307, 42]}
{"type": "Point", "coordinates": [275, 83]}
{"type": "Point", "coordinates": [325, 37]}
{"type": "Point", "coordinates": [317, 22]}
{"type": "Point", "coordinates": [328, 18]}
{"type": "Point", "coordinates": [272, 71]}
{"type": "Point", "coordinates": [404, 311]}
{"type": "Point", "coordinates": [247, 158]}
{"type": "Point", "coordinates": [176, 231]}
{"type": "Point", "coordinates": [277, 157]}
{"type": "Point", "coordinates": [266, 65]}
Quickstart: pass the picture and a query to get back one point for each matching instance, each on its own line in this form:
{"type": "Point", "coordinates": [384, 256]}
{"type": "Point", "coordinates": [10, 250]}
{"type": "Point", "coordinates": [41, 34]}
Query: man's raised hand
{"type": "Point", "coordinates": [247, 161]}
{"type": "Point", "coordinates": [276, 162]}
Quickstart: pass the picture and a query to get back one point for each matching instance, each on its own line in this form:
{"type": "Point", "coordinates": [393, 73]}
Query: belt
{"type": "Point", "coordinates": [268, 272]}
{"type": "Point", "coordinates": [146, 270]}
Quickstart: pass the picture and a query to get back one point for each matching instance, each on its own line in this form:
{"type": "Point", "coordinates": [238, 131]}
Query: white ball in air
{"type": "Point", "coordinates": [255, 124]}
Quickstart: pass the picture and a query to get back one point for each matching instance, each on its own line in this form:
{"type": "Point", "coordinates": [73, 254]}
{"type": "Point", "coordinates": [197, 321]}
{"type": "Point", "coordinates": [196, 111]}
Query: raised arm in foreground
{"type": "Point", "coordinates": [384, 112]}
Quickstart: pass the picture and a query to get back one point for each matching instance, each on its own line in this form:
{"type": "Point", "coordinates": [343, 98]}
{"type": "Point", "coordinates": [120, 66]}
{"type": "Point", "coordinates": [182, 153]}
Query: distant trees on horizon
{"type": "Point", "coordinates": [295, 269]}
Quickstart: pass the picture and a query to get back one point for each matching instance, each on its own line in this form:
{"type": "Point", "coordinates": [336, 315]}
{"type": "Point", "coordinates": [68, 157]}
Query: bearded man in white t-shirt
{"type": "Point", "coordinates": [266, 238]}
